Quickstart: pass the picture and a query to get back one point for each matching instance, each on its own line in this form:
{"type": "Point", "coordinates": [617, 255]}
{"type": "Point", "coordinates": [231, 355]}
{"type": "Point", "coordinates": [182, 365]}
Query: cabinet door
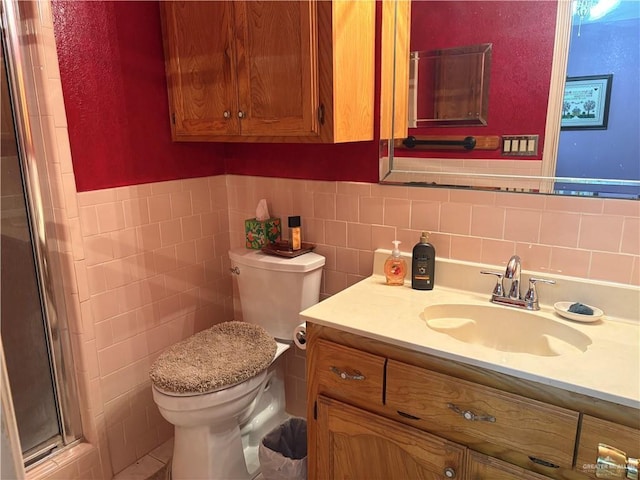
{"type": "Point", "coordinates": [276, 51]}
{"type": "Point", "coordinates": [200, 68]}
{"type": "Point", "coordinates": [354, 444]}
{"type": "Point", "coordinates": [482, 467]}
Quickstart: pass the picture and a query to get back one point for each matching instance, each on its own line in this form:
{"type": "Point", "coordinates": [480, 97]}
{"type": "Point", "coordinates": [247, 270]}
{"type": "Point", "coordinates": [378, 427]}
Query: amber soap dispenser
{"type": "Point", "coordinates": [423, 264]}
{"type": "Point", "coordinates": [395, 268]}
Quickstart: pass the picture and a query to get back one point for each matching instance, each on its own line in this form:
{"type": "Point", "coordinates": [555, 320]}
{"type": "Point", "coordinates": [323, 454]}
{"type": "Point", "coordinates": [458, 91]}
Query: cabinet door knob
{"type": "Point", "coordinates": [241, 114]}
{"type": "Point", "coordinates": [226, 114]}
{"type": "Point", "coordinates": [321, 114]}
{"type": "Point", "coordinates": [449, 472]}
{"type": "Point", "coordinates": [347, 376]}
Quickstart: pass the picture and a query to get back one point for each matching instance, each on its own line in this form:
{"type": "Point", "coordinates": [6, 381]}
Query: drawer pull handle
{"type": "Point", "coordinates": [449, 472]}
{"type": "Point", "coordinates": [407, 415]}
{"type": "Point", "coordinates": [614, 463]}
{"type": "Point", "coordinates": [544, 463]}
{"type": "Point", "coordinates": [347, 376]}
{"type": "Point", "coordinates": [469, 415]}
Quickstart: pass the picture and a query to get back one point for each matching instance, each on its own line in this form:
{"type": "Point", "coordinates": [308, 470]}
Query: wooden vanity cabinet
{"type": "Point", "coordinates": [272, 71]}
{"type": "Point", "coordinates": [380, 411]}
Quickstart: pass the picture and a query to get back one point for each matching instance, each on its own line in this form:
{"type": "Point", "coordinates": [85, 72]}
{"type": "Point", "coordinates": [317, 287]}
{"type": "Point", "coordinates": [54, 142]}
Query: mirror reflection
{"type": "Point", "coordinates": [535, 47]}
{"type": "Point", "coordinates": [449, 86]}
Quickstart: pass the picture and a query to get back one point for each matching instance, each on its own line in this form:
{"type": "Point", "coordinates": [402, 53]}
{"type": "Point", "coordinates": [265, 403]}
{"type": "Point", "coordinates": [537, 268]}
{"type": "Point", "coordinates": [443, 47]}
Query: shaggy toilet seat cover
{"type": "Point", "coordinates": [221, 356]}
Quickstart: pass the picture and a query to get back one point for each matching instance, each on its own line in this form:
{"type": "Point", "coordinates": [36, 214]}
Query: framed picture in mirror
{"type": "Point", "coordinates": [586, 102]}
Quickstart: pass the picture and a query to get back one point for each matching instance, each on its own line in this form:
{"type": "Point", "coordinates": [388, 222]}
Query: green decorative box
{"type": "Point", "coordinates": [261, 232]}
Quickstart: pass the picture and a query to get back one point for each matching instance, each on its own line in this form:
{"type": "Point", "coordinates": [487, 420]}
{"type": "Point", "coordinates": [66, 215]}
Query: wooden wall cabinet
{"type": "Point", "coordinates": [379, 411]}
{"type": "Point", "coordinates": [278, 71]}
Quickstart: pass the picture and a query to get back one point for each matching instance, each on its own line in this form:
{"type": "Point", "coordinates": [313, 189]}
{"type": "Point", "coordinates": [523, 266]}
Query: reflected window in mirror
{"type": "Point", "coordinates": [604, 48]}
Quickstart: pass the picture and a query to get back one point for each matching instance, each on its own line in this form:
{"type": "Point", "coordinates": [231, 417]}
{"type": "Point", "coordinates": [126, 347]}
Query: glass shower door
{"type": "Point", "coordinates": [23, 326]}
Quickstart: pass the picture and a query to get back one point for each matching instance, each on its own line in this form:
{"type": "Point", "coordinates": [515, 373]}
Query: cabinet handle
{"type": "Point", "coordinates": [449, 472]}
{"type": "Point", "coordinates": [241, 114]}
{"type": "Point", "coordinates": [614, 463]}
{"type": "Point", "coordinates": [407, 415]}
{"type": "Point", "coordinates": [347, 376]}
{"type": "Point", "coordinates": [544, 463]}
{"type": "Point", "coordinates": [469, 415]}
{"type": "Point", "coordinates": [226, 114]}
{"type": "Point", "coordinates": [321, 114]}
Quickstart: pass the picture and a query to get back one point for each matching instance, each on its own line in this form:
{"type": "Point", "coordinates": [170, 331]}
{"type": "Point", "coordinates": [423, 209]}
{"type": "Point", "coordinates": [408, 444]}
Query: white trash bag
{"type": "Point", "coordinates": [283, 451]}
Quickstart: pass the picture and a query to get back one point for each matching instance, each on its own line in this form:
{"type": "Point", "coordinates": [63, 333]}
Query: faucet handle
{"type": "Point", "coordinates": [498, 290]}
{"type": "Point", "coordinates": [531, 296]}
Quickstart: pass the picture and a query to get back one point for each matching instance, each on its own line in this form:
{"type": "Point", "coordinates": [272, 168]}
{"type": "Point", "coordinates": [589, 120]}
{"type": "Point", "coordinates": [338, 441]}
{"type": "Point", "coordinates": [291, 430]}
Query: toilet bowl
{"type": "Point", "coordinates": [217, 434]}
{"type": "Point", "coordinates": [206, 430]}
{"type": "Point", "coordinates": [219, 422]}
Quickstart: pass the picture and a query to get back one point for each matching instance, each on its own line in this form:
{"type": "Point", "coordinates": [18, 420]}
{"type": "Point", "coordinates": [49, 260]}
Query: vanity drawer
{"type": "Point", "coordinates": [483, 467]}
{"type": "Point", "coordinates": [595, 431]}
{"type": "Point", "coordinates": [348, 374]}
{"type": "Point", "coordinates": [464, 411]}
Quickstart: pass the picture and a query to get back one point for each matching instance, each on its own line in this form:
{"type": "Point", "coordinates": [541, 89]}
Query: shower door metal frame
{"type": "Point", "coordinates": [20, 73]}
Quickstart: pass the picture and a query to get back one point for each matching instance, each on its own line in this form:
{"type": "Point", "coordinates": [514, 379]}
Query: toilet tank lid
{"type": "Point", "coordinates": [256, 258]}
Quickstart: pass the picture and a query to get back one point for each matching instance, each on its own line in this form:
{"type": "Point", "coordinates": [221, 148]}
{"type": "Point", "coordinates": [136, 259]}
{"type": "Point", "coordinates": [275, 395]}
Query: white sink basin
{"type": "Point", "coordinates": [506, 329]}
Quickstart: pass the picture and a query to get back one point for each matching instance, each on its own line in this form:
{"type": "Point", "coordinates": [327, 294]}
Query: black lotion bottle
{"type": "Point", "coordinates": [423, 265]}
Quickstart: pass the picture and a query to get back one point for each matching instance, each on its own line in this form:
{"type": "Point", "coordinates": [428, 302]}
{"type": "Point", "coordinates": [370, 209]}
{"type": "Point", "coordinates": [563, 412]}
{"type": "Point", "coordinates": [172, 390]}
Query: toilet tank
{"type": "Point", "coordinates": [274, 290]}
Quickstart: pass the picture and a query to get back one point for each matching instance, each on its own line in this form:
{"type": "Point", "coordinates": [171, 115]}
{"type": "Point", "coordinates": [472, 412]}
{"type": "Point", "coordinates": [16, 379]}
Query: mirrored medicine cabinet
{"type": "Point", "coordinates": [581, 162]}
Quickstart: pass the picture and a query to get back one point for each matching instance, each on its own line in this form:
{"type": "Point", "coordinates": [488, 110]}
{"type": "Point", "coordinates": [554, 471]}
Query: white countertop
{"type": "Point", "coordinates": [609, 369]}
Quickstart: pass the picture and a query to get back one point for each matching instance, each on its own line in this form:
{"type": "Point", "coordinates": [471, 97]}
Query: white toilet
{"type": "Point", "coordinates": [223, 388]}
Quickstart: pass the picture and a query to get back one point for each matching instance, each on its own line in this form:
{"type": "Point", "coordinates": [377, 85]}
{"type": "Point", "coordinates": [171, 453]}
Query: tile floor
{"type": "Point", "coordinates": [153, 466]}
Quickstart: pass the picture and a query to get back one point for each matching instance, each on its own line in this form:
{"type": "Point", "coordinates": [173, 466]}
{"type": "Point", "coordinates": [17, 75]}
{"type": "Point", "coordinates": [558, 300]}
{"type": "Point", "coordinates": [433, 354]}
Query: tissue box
{"type": "Point", "coordinates": [261, 232]}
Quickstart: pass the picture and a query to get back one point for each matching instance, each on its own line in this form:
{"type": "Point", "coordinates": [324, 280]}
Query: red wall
{"type": "Point", "coordinates": [114, 88]}
{"type": "Point", "coordinates": [522, 33]}
{"type": "Point", "coordinates": [112, 70]}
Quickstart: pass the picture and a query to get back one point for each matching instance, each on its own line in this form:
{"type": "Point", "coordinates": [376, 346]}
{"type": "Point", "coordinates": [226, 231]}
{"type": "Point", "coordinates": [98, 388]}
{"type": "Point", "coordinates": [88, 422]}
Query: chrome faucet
{"type": "Point", "coordinates": [514, 298]}
{"type": "Point", "coordinates": [514, 267]}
